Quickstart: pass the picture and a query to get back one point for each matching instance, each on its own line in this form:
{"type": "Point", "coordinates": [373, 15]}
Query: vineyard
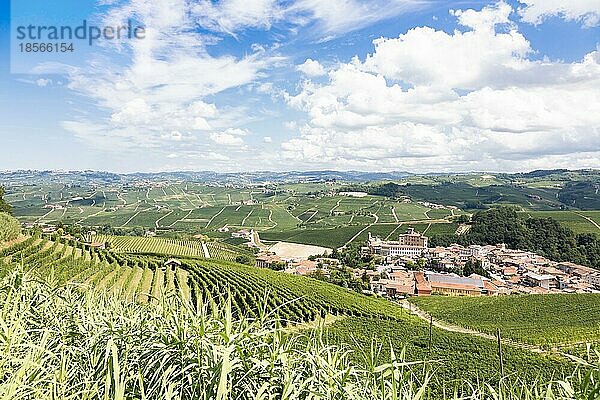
{"type": "Point", "coordinates": [144, 277]}
{"type": "Point", "coordinates": [255, 293]}
{"type": "Point", "coordinates": [167, 246]}
{"type": "Point", "coordinates": [457, 357]}
{"type": "Point", "coordinates": [546, 320]}
{"type": "Point", "coordinates": [60, 344]}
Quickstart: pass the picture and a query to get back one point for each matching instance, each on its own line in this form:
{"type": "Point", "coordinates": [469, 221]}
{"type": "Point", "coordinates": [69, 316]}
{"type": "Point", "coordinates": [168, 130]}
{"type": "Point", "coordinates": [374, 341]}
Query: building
{"type": "Point", "coordinates": [412, 238]}
{"type": "Point", "coordinates": [172, 263]}
{"type": "Point", "coordinates": [410, 245]}
{"type": "Point", "coordinates": [243, 234]}
{"type": "Point", "coordinates": [454, 285]}
{"type": "Point", "coordinates": [304, 267]}
{"type": "Point", "coordinates": [270, 260]}
{"type": "Point", "coordinates": [543, 281]}
{"type": "Point", "coordinates": [354, 194]}
{"type": "Point", "coordinates": [422, 286]}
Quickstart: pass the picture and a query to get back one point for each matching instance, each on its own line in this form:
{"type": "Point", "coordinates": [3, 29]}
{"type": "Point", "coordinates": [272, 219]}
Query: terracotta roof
{"type": "Point", "coordinates": [490, 286]}
{"type": "Point", "coordinates": [458, 286]}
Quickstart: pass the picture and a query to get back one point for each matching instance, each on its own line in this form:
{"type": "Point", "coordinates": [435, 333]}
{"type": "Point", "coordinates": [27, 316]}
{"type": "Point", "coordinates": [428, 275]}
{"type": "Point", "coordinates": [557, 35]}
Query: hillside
{"type": "Point", "coordinates": [554, 319]}
{"type": "Point", "coordinates": [116, 349]}
{"type": "Point", "coordinates": [255, 293]}
{"type": "Point", "coordinates": [10, 228]}
{"type": "Point", "coordinates": [143, 276]}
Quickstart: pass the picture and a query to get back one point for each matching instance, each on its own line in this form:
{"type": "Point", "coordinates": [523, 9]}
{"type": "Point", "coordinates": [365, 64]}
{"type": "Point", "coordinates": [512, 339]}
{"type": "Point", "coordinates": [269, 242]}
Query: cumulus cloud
{"type": "Point", "coordinates": [311, 68]}
{"type": "Point", "coordinates": [585, 11]}
{"type": "Point", "coordinates": [471, 99]}
{"type": "Point", "coordinates": [233, 137]}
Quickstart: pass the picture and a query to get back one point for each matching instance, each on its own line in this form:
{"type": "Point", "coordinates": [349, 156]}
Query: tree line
{"type": "Point", "coordinates": [544, 236]}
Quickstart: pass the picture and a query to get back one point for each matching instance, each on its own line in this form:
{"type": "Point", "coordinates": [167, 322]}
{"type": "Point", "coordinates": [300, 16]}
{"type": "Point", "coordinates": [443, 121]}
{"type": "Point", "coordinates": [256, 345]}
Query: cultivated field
{"type": "Point", "coordinates": [547, 320]}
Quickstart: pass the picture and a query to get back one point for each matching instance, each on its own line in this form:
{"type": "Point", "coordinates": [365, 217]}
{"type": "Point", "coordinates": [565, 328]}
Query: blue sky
{"type": "Point", "coordinates": [417, 85]}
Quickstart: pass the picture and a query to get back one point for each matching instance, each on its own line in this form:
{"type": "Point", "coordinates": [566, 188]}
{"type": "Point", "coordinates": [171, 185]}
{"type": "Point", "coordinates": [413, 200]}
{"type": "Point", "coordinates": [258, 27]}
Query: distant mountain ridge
{"type": "Point", "coordinates": [259, 177]}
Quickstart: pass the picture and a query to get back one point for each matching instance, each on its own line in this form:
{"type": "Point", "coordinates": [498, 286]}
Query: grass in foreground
{"type": "Point", "coordinates": [60, 343]}
{"type": "Point", "coordinates": [545, 320]}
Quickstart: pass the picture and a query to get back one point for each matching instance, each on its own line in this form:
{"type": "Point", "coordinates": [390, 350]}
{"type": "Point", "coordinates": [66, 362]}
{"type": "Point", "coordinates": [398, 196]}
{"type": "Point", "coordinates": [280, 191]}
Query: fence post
{"type": "Point", "coordinates": [430, 331]}
{"type": "Point", "coordinates": [500, 353]}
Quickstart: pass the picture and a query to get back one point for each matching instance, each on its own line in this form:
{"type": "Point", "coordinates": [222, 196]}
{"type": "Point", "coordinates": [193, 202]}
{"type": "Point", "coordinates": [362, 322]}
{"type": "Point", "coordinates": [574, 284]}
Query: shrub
{"type": "Point", "coordinates": [9, 227]}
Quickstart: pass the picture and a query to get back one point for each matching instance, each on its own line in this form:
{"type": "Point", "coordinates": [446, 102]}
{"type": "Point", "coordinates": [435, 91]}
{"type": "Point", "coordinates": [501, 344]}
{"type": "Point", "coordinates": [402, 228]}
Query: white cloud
{"type": "Point", "coordinates": [43, 82]}
{"type": "Point", "coordinates": [165, 85]}
{"type": "Point", "coordinates": [585, 11]}
{"type": "Point", "coordinates": [233, 137]}
{"type": "Point", "coordinates": [311, 68]}
{"type": "Point", "coordinates": [232, 15]}
{"type": "Point", "coordinates": [331, 17]}
{"type": "Point", "coordinates": [338, 16]}
{"type": "Point", "coordinates": [268, 139]}
{"type": "Point", "coordinates": [429, 100]}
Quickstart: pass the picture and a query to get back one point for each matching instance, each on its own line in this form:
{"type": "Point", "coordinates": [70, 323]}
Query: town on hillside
{"type": "Point", "coordinates": [408, 267]}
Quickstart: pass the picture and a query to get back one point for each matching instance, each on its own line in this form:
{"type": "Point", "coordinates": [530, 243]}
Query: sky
{"type": "Point", "coordinates": [247, 85]}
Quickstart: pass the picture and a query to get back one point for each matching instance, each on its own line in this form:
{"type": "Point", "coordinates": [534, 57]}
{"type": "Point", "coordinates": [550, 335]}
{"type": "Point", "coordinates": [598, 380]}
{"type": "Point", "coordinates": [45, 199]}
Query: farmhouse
{"type": "Point", "coordinates": [269, 260]}
{"type": "Point", "coordinates": [354, 194]}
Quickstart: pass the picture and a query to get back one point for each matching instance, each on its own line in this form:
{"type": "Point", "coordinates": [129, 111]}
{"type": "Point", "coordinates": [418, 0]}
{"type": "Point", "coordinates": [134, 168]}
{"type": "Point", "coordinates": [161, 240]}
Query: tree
{"type": "Point", "coordinates": [544, 236]}
{"type": "Point", "coordinates": [4, 206]}
{"type": "Point", "coordinates": [474, 267]}
{"type": "Point", "coordinates": [244, 259]}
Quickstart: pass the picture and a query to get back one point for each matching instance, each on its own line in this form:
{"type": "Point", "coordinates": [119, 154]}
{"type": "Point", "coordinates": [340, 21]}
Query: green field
{"type": "Point", "coordinates": [290, 213]}
{"type": "Point", "coordinates": [307, 213]}
{"type": "Point", "coordinates": [170, 247]}
{"type": "Point", "coordinates": [456, 357]}
{"type": "Point", "coordinates": [548, 320]}
{"type": "Point", "coordinates": [576, 220]}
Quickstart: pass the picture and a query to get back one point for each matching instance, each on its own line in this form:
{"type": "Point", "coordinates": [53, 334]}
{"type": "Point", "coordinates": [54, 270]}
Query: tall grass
{"type": "Point", "coordinates": [59, 342]}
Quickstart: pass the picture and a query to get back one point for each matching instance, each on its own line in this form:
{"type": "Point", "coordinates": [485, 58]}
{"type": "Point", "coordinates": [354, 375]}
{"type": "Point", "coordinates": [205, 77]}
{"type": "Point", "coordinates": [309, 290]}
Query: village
{"type": "Point", "coordinates": [408, 267]}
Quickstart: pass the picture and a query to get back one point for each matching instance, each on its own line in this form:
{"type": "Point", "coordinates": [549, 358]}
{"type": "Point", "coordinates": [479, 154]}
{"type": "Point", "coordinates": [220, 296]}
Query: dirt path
{"type": "Point", "coordinates": [459, 329]}
{"type": "Point", "coordinates": [215, 216]}
{"type": "Point", "coordinates": [247, 216]}
{"type": "Point", "coordinates": [157, 222]}
{"type": "Point", "coordinates": [590, 220]}
{"type": "Point", "coordinates": [334, 207]}
{"type": "Point", "coordinates": [394, 214]}
{"type": "Point", "coordinates": [357, 235]}
{"type": "Point", "coordinates": [205, 250]}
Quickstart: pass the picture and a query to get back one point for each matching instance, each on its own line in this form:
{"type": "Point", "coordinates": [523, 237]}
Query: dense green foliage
{"type": "Point", "coordinates": [583, 195]}
{"type": "Point", "coordinates": [4, 206]}
{"type": "Point", "coordinates": [536, 319]}
{"type": "Point", "coordinates": [9, 227]}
